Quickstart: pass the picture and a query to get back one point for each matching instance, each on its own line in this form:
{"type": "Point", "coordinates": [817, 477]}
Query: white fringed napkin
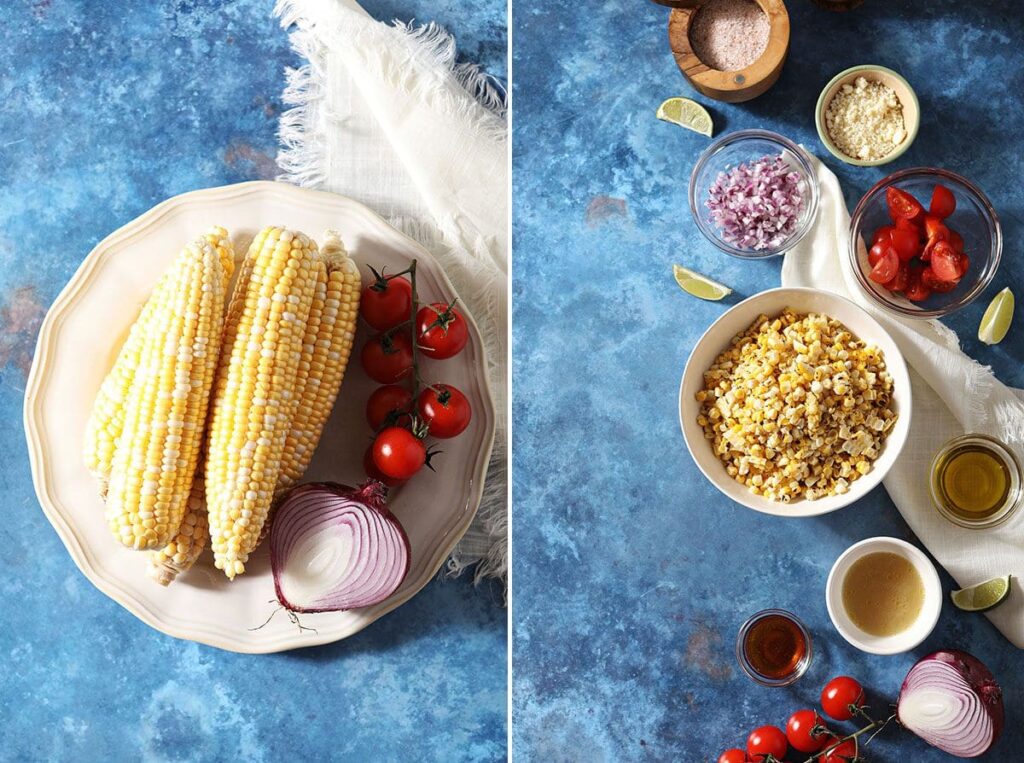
{"type": "Point", "coordinates": [952, 394]}
{"type": "Point", "coordinates": [383, 114]}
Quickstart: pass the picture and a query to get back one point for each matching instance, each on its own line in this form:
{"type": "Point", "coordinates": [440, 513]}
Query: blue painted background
{"type": "Point", "coordinates": [631, 574]}
{"type": "Point", "coordinates": [105, 110]}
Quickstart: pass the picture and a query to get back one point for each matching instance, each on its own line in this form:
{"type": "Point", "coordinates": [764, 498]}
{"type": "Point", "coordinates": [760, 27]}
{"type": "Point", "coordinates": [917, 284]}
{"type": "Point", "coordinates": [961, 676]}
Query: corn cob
{"type": "Point", "coordinates": [188, 543]}
{"type": "Point", "coordinates": [157, 450]}
{"type": "Point", "coordinates": [107, 417]}
{"type": "Point", "coordinates": [329, 339]}
{"type": "Point", "coordinates": [256, 396]}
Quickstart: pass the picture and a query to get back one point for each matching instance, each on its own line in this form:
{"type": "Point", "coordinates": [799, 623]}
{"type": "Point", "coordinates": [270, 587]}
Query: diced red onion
{"type": "Point", "coordinates": [756, 205]}
{"type": "Point", "coordinates": [951, 700]}
{"type": "Point", "coordinates": [333, 547]}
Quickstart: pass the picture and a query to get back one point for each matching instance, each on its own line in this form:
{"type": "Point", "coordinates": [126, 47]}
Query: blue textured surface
{"type": "Point", "coordinates": [631, 574]}
{"type": "Point", "coordinates": [105, 110]}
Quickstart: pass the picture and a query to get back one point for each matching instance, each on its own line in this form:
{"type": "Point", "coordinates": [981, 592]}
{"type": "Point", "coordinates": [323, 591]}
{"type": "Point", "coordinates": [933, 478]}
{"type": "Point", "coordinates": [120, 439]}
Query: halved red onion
{"type": "Point", "coordinates": [334, 547]}
{"type": "Point", "coordinates": [951, 700]}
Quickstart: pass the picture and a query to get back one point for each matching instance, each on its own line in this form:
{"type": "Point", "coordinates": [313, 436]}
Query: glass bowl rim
{"type": "Point", "coordinates": [806, 168]}
{"type": "Point", "coordinates": [994, 255]}
{"type": "Point", "coordinates": [748, 668]}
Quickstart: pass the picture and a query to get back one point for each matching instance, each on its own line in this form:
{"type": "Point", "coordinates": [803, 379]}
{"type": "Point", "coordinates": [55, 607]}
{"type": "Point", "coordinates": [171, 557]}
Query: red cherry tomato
{"type": "Point", "coordinates": [844, 752]}
{"type": "Point", "coordinates": [957, 241]}
{"type": "Point", "coordinates": [398, 453]}
{"type": "Point", "coordinates": [839, 694]}
{"type": "Point", "coordinates": [441, 330]}
{"type": "Point", "coordinates": [765, 741]}
{"type": "Point", "coordinates": [945, 261]}
{"type": "Point", "coordinates": [883, 234]}
{"type": "Point", "coordinates": [884, 270]}
{"type": "Point", "coordinates": [387, 359]}
{"type": "Point", "coordinates": [934, 228]}
{"type": "Point", "coordinates": [901, 204]}
{"type": "Point", "coordinates": [965, 264]}
{"type": "Point", "coordinates": [386, 303]}
{"type": "Point", "coordinates": [917, 290]}
{"type": "Point", "coordinates": [875, 253]}
{"type": "Point", "coordinates": [906, 243]}
{"type": "Point", "coordinates": [936, 284]}
{"type": "Point", "coordinates": [385, 405]}
{"type": "Point", "coordinates": [943, 202]}
{"type": "Point", "coordinates": [374, 473]}
{"type": "Point", "coordinates": [445, 410]}
{"type": "Point", "coordinates": [806, 731]}
{"type": "Point", "coordinates": [901, 279]}
{"type": "Point", "coordinates": [734, 755]}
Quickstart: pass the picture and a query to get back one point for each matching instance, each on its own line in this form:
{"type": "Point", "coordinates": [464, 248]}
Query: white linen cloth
{"type": "Point", "coordinates": [383, 114]}
{"type": "Point", "coordinates": [952, 394]}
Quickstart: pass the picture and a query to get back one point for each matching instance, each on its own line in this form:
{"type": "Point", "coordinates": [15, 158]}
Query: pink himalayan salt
{"type": "Point", "coordinates": [729, 34]}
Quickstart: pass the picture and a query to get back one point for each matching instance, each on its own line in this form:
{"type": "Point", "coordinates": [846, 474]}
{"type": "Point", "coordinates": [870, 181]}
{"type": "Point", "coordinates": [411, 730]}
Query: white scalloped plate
{"type": "Point", "coordinates": [78, 342]}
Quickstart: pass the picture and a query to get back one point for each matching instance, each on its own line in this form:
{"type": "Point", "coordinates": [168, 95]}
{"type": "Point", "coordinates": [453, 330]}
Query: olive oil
{"type": "Point", "coordinates": [975, 481]}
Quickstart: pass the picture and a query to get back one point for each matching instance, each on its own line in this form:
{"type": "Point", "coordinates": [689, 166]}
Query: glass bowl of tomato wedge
{"type": "Point", "coordinates": [924, 242]}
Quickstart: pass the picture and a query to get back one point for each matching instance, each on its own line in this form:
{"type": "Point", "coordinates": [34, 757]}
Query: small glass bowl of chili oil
{"type": "Point", "coordinates": [774, 648]}
{"type": "Point", "coordinates": [976, 481]}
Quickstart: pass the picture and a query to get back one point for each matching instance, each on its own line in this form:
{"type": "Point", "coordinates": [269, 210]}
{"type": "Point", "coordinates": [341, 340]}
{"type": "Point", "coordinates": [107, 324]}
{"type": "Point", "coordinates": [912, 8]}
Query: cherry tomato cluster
{"type": "Point", "coordinates": [399, 413]}
{"type": "Point", "coordinates": [806, 732]}
{"type": "Point", "coordinates": [918, 254]}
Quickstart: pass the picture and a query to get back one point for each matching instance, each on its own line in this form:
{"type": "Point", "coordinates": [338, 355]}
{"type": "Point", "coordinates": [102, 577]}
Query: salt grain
{"type": "Point", "coordinates": [729, 34]}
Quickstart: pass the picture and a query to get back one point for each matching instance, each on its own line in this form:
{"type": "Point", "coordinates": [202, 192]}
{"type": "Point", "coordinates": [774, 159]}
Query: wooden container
{"type": "Point", "coordinates": [736, 86]}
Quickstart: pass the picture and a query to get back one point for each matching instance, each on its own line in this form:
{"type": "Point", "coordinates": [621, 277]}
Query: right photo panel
{"type": "Point", "coordinates": [767, 424]}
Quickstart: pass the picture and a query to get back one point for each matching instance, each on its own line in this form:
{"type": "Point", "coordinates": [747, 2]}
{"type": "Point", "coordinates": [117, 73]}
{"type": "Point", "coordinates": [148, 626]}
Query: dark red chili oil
{"type": "Point", "coordinates": [774, 646]}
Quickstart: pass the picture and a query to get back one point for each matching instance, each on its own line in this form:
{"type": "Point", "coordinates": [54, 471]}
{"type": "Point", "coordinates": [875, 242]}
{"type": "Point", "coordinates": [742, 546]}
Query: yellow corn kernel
{"type": "Point", "coordinates": [188, 543]}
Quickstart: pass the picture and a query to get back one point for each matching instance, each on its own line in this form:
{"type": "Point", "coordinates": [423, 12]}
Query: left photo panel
{"type": "Point", "coordinates": [255, 325]}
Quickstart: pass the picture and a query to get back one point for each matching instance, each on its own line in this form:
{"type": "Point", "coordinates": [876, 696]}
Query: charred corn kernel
{"type": "Point", "coordinates": [328, 345]}
{"type": "Point", "coordinates": [188, 543]}
{"type": "Point", "coordinates": [157, 450]}
{"type": "Point", "coordinates": [255, 395]}
{"type": "Point", "coordinates": [107, 417]}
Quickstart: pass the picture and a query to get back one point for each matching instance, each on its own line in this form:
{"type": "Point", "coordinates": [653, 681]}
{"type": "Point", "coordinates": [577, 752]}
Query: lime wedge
{"type": "Point", "coordinates": [984, 596]}
{"type": "Point", "coordinates": [686, 113]}
{"type": "Point", "coordinates": [698, 285]}
{"type": "Point", "coordinates": [996, 321]}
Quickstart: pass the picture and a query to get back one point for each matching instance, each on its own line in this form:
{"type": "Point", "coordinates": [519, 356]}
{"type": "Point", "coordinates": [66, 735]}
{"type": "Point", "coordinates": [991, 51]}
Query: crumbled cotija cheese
{"type": "Point", "coordinates": [865, 120]}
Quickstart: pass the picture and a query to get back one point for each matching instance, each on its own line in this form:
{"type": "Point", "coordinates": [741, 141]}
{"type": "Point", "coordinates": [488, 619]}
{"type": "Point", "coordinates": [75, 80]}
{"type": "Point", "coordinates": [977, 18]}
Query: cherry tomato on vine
{"type": "Point", "coordinates": [800, 731]}
{"type": "Point", "coordinates": [399, 453]}
{"type": "Point", "coordinates": [943, 202]}
{"type": "Point", "coordinates": [370, 467]}
{"type": "Point", "coordinates": [839, 694]}
{"type": "Point", "coordinates": [386, 302]}
{"type": "Point", "coordinates": [441, 331]}
{"type": "Point", "coordinates": [765, 741]}
{"type": "Point", "coordinates": [901, 204]}
{"type": "Point", "coordinates": [386, 403]}
{"type": "Point", "coordinates": [387, 359]}
{"type": "Point", "coordinates": [841, 753]}
{"type": "Point", "coordinates": [445, 410]}
{"type": "Point", "coordinates": [734, 755]}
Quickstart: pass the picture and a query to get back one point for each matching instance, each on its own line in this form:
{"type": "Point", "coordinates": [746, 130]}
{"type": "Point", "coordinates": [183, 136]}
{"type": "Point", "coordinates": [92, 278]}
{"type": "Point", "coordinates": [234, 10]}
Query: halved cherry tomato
{"type": "Point", "coordinates": [885, 269]}
{"type": "Point", "coordinates": [765, 741]}
{"type": "Point", "coordinates": [806, 731]}
{"type": "Point", "coordinates": [933, 282]}
{"type": "Point", "coordinates": [734, 755]}
{"type": "Point", "coordinates": [943, 202]}
{"type": "Point", "coordinates": [934, 228]}
{"type": "Point", "coordinates": [901, 279]}
{"type": "Point", "coordinates": [386, 404]}
{"type": "Point", "coordinates": [945, 261]}
{"type": "Point", "coordinates": [917, 290]}
{"type": "Point", "coordinates": [882, 235]}
{"type": "Point", "coordinates": [875, 253]}
{"type": "Point", "coordinates": [965, 264]}
{"type": "Point", "coordinates": [906, 243]}
{"type": "Point", "coordinates": [911, 225]}
{"type": "Point", "coordinates": [957, 241]}
{"type": "Point", "coordinates": [840, 696]}
{"type": "Point", "coordinates": [901, 204]}
{"type": "Point", "coordinates": [841, 753]}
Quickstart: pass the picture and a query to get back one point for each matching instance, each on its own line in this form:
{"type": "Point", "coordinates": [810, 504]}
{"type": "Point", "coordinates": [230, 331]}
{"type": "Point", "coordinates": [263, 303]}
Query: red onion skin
{"type": "Point", "coordinates": [978, 677]}
{"type": "Point", "coordinates": [373, 495]}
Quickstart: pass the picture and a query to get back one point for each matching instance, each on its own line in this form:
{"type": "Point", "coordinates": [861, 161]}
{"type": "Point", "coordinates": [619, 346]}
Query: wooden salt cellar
{"type": "Point", "coordinates": [737, 86]}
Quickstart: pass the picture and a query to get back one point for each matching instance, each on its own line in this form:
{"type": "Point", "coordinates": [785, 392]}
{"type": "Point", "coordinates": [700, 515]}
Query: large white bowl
{"type": "Point", "coordinates": [737, 320]}
{"type": "Point", "coordinates": [79, 340]}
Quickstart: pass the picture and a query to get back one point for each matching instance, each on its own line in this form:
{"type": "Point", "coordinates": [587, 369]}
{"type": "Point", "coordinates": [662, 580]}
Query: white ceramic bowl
{"type": "Point", "coordinates": [930, 610]}
{"type": "Point", "coordinates": [737, 320]}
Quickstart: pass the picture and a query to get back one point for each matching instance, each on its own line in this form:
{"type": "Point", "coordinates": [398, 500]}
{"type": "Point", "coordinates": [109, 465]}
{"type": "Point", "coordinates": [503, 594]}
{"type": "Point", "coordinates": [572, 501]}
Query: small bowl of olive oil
{"type": "Point", "coordinates": [976, 481]}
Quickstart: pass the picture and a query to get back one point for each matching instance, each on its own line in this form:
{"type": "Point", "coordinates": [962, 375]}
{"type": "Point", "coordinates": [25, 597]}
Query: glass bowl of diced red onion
{"type": "Point", "coordinates": [753, 193]}
{"type": "Point", "coordinates": [924, 242]}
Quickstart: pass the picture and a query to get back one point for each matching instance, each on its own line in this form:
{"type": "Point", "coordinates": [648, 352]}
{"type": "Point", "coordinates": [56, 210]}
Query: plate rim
{"type": "Point", "coordinates": [41, 369]}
